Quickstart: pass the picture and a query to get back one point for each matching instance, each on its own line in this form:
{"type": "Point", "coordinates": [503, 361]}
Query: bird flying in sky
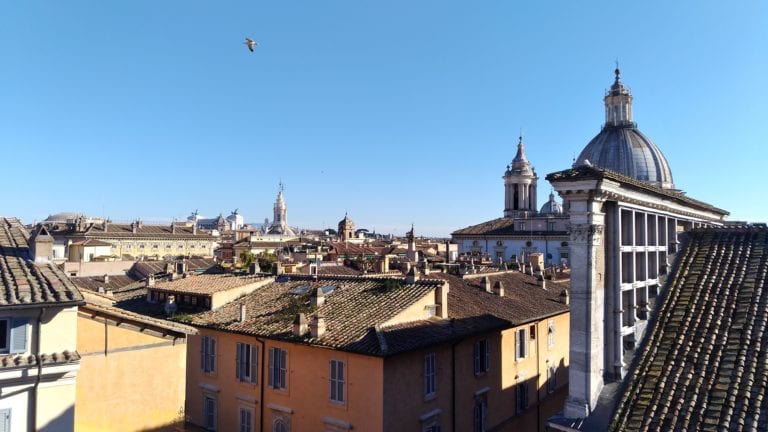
{"type": "Point", "coordinates": [250, 43]}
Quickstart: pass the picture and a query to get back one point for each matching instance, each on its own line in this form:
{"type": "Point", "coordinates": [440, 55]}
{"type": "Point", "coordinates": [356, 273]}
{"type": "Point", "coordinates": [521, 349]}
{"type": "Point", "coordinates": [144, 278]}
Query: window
{"type": "Point", "coordinates": [551, 379]}
{"type": "Point", "coordinates": [521, 343]}
{"type": "Point", "coordinates": [278, 362]}
{"type": "Point", "coordinates": [522, 396]}
{"type": "Point", "coordinates": [208, 354]}
{"type": "Point", "coordinates": [246, 420]}
{"type": "Point", "coordinates": [13, 335]}
{"type": "Point", "coordinates": [480, 415]}
{"type": "Point", "coordinates": [337, 381]}
{"type": "Point", "coordinates": [430, 367]}
{"type": "Point", "coordinates": [482, 357]}
{"type": "Point", "coordinates": [209, 412]}
{"type": "Point", "coordinates": [551, 333]}
{"type": "Point", "coordinates": [246, 358]}
{"type": "Point", "coordinates": [432, 427]}
{"type": "Point", "coordinates": [279, 426]}
{"type": "Point", "coordinates": [5, 420]}
{"type": "Point", "coordinates": [532, 332]}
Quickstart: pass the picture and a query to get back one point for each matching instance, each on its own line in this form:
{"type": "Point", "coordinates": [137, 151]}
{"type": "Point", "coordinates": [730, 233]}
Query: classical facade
{"type": "Point", "coordinates": [522, 230]}
{"type": "Point", "coordinates": [625, 220]}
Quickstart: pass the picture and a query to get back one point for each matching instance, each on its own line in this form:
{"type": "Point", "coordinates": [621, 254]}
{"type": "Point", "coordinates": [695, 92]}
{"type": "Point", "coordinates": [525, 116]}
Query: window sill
{"type": "Point", "coordinates": [430, 397]}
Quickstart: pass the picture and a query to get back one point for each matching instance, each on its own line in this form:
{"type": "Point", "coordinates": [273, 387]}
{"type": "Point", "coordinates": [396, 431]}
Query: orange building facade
{"type": "Point", "coordinates": [476, 371]}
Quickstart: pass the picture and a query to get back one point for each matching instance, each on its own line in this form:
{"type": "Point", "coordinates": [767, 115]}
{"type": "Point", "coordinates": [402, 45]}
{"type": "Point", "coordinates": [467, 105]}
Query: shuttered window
{"type": "Point", "coordinates": [278, 363]}
{"type": "Point", "coordinates": [337, 380]}
{"type": "Point", "coordinates": [482, 357]}
{"type": "Point", "coordinates": [245, 362]}
{"type": "Point", "coordinates": [5, 420]}
{"type": "Point", "coordinates": [208, 354]}
{"type": "Point", "coordinates": [14, 335]}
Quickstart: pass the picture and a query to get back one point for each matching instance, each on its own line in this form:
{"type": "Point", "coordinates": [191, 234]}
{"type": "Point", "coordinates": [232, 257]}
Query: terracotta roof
{"type": "Point", "coordinates": [121, 286]}
{"type": "Point", "coordinates": [523, 301]}
{"type": "Point", "coordinates": [99, 307]}
{"type": "Point", "coordinates": [142, 269]}
{"type": "Point", "coordinates": [351, 311]}
{"type": "Point", "coordinates": [207, 283]}
{"type": "Point", "coordinates": [331, 270]}
{"type": "Point", "coordinates": [585, 172]}
{"type": "Point", "coordinates": [703, 365]}
{"type": "Point", "coordinates": [24, 283]}
{"type": "Point", "coordinates": [27, 360]}
{"type": "Point", "coordinates": [91, 242]}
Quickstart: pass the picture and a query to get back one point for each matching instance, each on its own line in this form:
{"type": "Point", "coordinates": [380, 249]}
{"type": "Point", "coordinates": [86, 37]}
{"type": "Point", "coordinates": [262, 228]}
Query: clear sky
{"type": "Point", "coordinates": [397, 112]}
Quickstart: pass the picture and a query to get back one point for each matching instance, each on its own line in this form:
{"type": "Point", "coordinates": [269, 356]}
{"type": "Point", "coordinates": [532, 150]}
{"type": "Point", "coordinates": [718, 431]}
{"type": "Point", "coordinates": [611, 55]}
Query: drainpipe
{"type": "Point", "coordinates": [39, 367]}
{"type": "Point", "coordinates": [261, 385]}
{"type": "Point", "coordinates": [453, 387]}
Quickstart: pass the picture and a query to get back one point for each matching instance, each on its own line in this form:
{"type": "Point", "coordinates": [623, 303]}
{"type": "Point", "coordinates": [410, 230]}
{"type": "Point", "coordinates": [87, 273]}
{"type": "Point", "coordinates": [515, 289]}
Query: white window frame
{"type": "Point", "coordinates": [210, 418]}
{"type": "Point", "coordinates": [278, 368]}
{"type": "Point", "coordinates": [246, 362]}
{"type": "Point", "coordinates": [16, 335]}
{"type": "Point", "coordinates": [521, 343]}
{"type": "Point", "coordinates": [245, 422]}
{"type": "Point", "coordinates": [482, 356]}
{"type": "Point", "coordinates": [430, 375]}
{"type": "Point", "coordinates": [337, 380]}
{"type": "Point", "coordinates": [208, 354]}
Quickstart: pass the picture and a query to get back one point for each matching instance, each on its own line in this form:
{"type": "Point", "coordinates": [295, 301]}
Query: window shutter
{"type": "Point", "coordinates": [5, 420]}
{"type": "Point", "coordinates": [238, 361]}
{"type": "Point", "coordinates": [283, 367]}
{"type": "Point", "coordinates": [487, 356]}
{"type": "Point", "coordinates": [271, 368]}
{"type": "Point", "coordinates": [477, 358]}
{"type": "Point", "coordinates": [254, 359]}
{"type": "Point", "coordinates": [213, 355]}
{"type": "Point", "coordinates": [203, 342]}
{"type": "Point", "coordinates": [19, 335]}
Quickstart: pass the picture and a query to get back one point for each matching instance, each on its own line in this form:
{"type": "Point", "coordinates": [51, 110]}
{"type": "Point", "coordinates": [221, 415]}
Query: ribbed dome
{"type": "Point", "coordinates": [621, 147]}
{"type": "Point", "coordinates": [551, 207]}
{"type": "Point", "coordinates": [627, 151]}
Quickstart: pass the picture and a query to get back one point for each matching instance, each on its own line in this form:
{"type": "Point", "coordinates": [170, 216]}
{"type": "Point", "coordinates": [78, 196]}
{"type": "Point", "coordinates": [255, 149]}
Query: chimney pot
{"type": "Point", "coordinates": [317, 326]}
{"type": "Point", "coordinates": [300, 326]}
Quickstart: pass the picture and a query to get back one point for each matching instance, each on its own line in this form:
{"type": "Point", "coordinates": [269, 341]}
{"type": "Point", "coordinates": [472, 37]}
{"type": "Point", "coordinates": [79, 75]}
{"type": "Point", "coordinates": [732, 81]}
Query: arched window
{"type": "Point", "coordinates": [279, 426]}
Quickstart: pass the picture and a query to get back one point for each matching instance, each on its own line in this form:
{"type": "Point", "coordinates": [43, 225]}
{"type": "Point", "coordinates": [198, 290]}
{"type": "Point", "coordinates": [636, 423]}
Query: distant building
{"type": "Point", "coordinates": [39, 361]}
{"type": "Point", "coordinates": [82, 241]}
{"type": "Point", "coordinates": [523, 230]}
{"type": "Point", "coordinates": [280, 225]}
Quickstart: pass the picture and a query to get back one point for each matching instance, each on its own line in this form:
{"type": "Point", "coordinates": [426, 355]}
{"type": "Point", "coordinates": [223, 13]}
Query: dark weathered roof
{"type": "Point", "coordinates": [351, 311]}
{"type": "Point", "coordinates": [120, 286]}
{"type": "Point", "coordinates": [502, 226]}
{"type": "Point", "coordinates": [142, 269]}
{"type": "Point", "coordinates": [24, 283]}
{"type": "Point", "coordinates": [703, 365]}
{"type": "Point", "coordinates": [25, 361]}
{"type": "Point", "coordinates": [585, 172]}
{"type": "Point", "coordinates": [117, 230]}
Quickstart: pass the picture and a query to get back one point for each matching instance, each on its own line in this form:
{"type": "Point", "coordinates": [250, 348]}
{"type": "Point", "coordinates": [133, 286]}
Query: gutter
{"type": "Point", "coordinates": [33, 400]}
{"type": "Point", "coordinates": [261, 384]}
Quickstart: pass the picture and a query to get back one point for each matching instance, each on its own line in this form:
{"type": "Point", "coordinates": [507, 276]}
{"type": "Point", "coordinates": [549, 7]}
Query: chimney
{"type": "Point", "coordinates": [134, 227]}
{"type": "Point", "coordinates": [151, 280]}
{"type": "Point", "coordinates": [441, 299]}
{"type": "Point", "coordinates": [41, 245]}
{"type": "Point", "coordinates": [242, 313]}
{"type": "Point", "coordinates": [106, 278]}
{"type": "Point", "coordinates": [173, 227]}
{"type": "Point", "coordinates": [542, 281]}
{"type": "Point", "coordinates": [564, 297]}
{"type": "Point", "coordinates": [300, 326]}
{"type": "Point", "coordinates": [105, 225]}
{"type": "Point", "coordinates": [254, 268]}
{"type": "Point", "coordinates": [194, 227]}
{"type": "Point", "coordinates": [412, 276]}
{"type": "Point", "coordinates": [385, 269]}
{"type": "Point", "coordinates": [486, 284]}
{"type": "Point", "coordinates": [498, 289]}
{"type": "Point", "coordinates": [447, 252]}
{"type": "Point", "coordinates": [317, 326]}
{"type": "Point", "coordinates": [319, 298]}
{"type": "Point", "coordinates": [100, 290]}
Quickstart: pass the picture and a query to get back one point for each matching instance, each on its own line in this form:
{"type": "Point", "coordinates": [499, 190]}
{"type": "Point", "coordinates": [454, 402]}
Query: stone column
{"type": "Point", "coordinates": [587, 357]}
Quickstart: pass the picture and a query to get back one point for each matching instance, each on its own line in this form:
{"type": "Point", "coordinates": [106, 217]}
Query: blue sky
{"type": "Point", "coordinates": [397, 112]}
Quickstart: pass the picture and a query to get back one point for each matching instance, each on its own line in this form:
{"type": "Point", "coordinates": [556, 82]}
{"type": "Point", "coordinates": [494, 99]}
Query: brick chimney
{"type": "Point", "coordinates": [300, 326]}
{"type": "Point", "coordinates": [317, 326]}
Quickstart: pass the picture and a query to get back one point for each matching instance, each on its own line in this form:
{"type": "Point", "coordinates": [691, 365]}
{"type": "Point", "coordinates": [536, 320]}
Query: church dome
{"type": "Point", "coordinates": [621, 147]}
{"type": "Point", "coordinates": [551, 207]}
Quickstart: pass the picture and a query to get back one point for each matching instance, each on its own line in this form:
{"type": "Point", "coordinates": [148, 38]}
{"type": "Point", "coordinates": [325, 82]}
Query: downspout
{"type": "Point", "coordinates": [261, 385]}
{"type": "Point", "coordinates": [453, 387]}
{"type": "Point", "coordinates": [39, 362]}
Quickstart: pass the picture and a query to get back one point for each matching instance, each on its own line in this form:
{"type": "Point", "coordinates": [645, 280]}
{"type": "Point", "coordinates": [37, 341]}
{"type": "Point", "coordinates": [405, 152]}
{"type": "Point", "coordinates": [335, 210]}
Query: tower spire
{"type": "Point", "coordinates": [618, 103]}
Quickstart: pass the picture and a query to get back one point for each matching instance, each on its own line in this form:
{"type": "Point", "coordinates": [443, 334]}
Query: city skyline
{"type": "Point", "coordinates": [395, 114]}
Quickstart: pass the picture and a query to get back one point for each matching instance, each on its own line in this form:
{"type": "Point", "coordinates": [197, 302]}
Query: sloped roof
{"type": "Point", "coordinates": [504, 226]}
{"type": "Point", "coordinates": [24, 283]}
{"type": "Point", "coordinates": [207, 283]}
{"type": "Point", "coordinates": [703, 365]}
{"type": "Point", "coordinates": [351, 311]}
